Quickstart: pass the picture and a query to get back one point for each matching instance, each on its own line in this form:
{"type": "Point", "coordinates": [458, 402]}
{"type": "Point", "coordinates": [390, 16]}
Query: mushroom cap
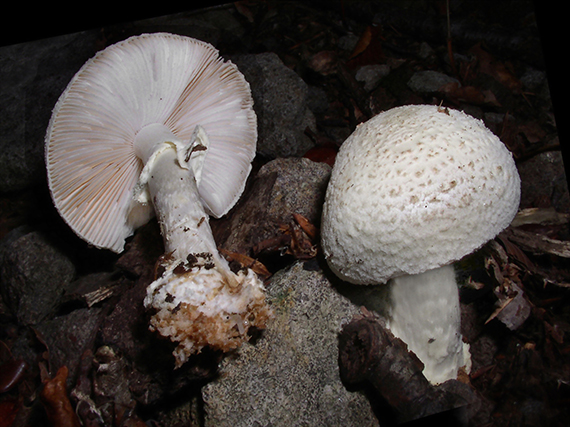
{"type": "Point", "coordinates": [415, 188]}
{"type": "Point", "coordinates": [159, 78]}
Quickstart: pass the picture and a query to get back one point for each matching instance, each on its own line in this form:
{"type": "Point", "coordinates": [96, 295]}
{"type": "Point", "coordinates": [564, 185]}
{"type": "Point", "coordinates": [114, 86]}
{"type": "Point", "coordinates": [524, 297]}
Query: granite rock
{"type": "Point", "coordinates": [282, 187]}
{"type": "Point", "coordinates": [33, 76]}
{"type": "Point", "coordinates": [289, 376]}
{"type": "Point", "coordinates": [34, 274]}
{"type": "Point", "coordinates": [280, 102]}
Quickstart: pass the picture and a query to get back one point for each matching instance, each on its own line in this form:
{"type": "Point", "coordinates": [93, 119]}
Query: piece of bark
{"type": "Point", "coordinates": [537, 243]}
{"type": "Point", "coordinates": [368, 352]}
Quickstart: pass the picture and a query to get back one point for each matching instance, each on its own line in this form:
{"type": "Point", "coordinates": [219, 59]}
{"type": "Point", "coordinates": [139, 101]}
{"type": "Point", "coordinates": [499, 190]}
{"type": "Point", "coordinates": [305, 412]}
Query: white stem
{"type": "Point", "coordinates": [183, 222]}
{"type": "Point", "coordinates": [425, 314]}
{"type": "Point", "coordinates": [168, 181]}
{"type": "Point", "coordinates": [197, 299]}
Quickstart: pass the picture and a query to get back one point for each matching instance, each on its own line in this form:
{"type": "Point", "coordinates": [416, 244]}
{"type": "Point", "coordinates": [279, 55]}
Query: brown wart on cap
{"type": "Point", "coordinates": [160, 124]}
{"type": "Point", "coordinates": [413, 190]}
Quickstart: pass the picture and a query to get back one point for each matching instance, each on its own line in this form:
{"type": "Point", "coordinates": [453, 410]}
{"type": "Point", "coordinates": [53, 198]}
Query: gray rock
{"type": "Point", "coordinates": [281, 187]}
{"type": "Point", "coordinates": [290, 376]}
{"type": "Point", "coordinates": [300, 188]}
{"type": "Point", "coordinates": [429, 81]}
{"type": "Point", "coordinates": [67, 337]}
{"type": "Point", "coordinates": [33, 75]}
{"type": "Point", "coordinates": [371, 75]}
{"type": "Point", "coordinates": [543, 178]}
{"type": "Point", "coordinates": [34, 275]}
{"type": "Point", "coordinates": [280, 102]}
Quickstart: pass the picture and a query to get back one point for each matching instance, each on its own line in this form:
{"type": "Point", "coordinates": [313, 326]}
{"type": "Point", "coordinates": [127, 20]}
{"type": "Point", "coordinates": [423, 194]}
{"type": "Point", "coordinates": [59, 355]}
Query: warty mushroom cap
{"type": "Point", "coordinates": [159, 78]}
{"type": "Point", "coordinates": [415, 188]}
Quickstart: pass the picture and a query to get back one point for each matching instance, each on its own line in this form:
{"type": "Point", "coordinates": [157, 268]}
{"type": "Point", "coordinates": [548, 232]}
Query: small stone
{"type": "Point", "coordinates": [34, 274]}
{"type": "Point", "coordinates": [429, 81]}
{"type": "Point", "coordinates": [371, 75]}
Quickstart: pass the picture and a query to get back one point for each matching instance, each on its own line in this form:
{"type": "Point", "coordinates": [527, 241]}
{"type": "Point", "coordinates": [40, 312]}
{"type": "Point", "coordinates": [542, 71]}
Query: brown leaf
{"type": "Point", "coordinates": [307, 227]}
{"type": "Point", "coordinates": [302, 246]}
{"type": "Point", "coordinates": [488, 64]}
{"type": "Point", "coordinates": [325, 153]}
{"type": "Point", "coordinates": [324, 62]}
{"type": "Point", "coordinates": [56, 402]}
{"type": "Point", "coordinates": [11, 372]}
{"type": "Point", "coordinates": [8, 411]}
{"type": "Point", "coordinates": [243, 10]}
{"type": "Point", "coordinates": [513, 308]}
{"type": "Point", "coordinates": [245, 261]}
{"type": "Point", "coordinates": [532, 131]}
{"type": "Point", "coordinates": [368, 50]}
{"type": "Point", "coordinates": [515, 252]}
{"type": "Point", "coordinates": [469, 94]}
{"type": "Point", "coordinates": [363, 42]}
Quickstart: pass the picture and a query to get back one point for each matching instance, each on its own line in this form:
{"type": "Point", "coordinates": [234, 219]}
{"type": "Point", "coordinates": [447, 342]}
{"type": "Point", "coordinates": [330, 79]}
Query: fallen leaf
{"type": "Point", "coordinates": [368, 50]}
{"type": "Point", "coordinates": [307, 227]}
{"type": "Point", "coordinates": [513, 308]}
{"type": "Point", "coordinates": [243, 10]}
{"type": "Point", "coordinates": [324, 63]}
{"type": "Point", "coordinates": [8, 411]}
{"type": "Point", "coordinates": [245, 261]}
{"type": "Point", "coordinates": [54, 398]}
{"type": "Point", "coordinates": [489, 65]}
{"type": "Point", "coordinates": [322, 154]}
{"type": "Point", "coordinates": [11, 372]}
{"type": "Point", "coordinates": [302, 246]}
{"type": "Point", "coordinates": [470, 94]}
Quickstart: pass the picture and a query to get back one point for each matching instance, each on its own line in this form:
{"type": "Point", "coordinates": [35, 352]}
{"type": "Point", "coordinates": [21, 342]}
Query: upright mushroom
{"type": "Point", "coordinates": [159, 123]}
{"type": "Point", "coordinates": [413, 190]}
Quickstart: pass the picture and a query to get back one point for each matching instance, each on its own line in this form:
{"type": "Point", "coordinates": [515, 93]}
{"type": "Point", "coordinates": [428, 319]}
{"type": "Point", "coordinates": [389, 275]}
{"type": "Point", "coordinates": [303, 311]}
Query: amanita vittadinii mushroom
{"type": "Point", "coordinates": [159, 123]}
{"type": "Point", "coordinates": [413, 190]}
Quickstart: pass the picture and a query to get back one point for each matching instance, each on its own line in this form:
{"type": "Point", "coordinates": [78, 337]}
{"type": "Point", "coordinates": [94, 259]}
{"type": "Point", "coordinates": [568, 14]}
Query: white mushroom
{"type": "Point", "coordinates": [159, 123]}
{"type": "Point", "coordinates": [413, 190]}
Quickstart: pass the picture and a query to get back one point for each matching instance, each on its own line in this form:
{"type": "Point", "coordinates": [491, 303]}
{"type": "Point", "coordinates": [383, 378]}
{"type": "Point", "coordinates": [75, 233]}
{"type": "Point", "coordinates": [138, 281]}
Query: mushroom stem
{"type": "Point", "coordinates": [198, 300]}
{"type": "Point", "coordinates": [425, 314]}
{"type": "Point", "coordinates": [184, 224]}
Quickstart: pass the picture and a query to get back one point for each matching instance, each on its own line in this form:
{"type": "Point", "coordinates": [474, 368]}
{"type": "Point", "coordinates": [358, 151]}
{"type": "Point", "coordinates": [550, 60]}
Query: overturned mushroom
{"type": "Point", "coordinates": [413, 190]}
{"type": "Point", "coordinates": [159, 123]}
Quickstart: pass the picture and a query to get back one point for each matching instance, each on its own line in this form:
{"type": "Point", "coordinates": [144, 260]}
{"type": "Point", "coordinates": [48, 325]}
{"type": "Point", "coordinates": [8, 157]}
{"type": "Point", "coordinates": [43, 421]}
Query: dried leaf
{"type": "Point", "coordinates": [516, 253]}
{"type": "Point", "coordinates": [363, 42]}
{"type": "Point", "coordinates": [488, 64]}
{"type": "Point", "coordinates": [247, 262]}
{"type": "Point", "coordinates": [513, 309]}
{"type": "Point", "coordinates": [11, 372]}
{"type": "Point", "coordinates": [469, 94]}
{"type": "Point", "coordinates": [368, 50]}
{"type": "Point", "coordinates": [307, 227]}
{"type": "Point", "coordinates": [302, 246]}
{"type": "Point", "coordinates": [8, 411]}
{"type": "Point", "coordinates": [324, 62]}
{"type": "Point", "coordinates": [243, 10]}
{"type": "Point", "coordinates": [322, 154]}
{"type": "Point", "coordinates": [56, 402]}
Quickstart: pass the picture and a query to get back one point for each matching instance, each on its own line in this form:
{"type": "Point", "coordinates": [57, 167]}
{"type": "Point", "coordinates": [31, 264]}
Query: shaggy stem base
{"type": "Point", "coordinates": [198, 300]}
